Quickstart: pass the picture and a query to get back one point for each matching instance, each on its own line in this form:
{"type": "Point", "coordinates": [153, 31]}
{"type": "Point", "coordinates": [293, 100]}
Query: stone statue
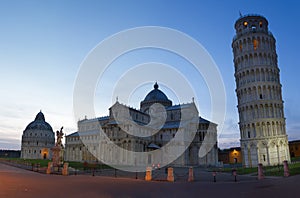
{"type": "Point", "coordinates": [59, 136]}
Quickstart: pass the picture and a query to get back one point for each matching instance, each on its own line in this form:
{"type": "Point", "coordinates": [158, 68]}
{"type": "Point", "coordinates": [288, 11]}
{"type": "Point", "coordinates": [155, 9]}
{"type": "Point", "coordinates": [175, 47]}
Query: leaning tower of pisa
{"type": "Point", "coordinates": [258, 90]}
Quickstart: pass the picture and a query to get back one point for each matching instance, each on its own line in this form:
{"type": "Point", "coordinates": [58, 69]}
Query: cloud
{"type": "Point", "coordinates": [293, 131]}
{"type": "Point", "coordinates": [230, 135]}
{"type": "Point", "coordinates": [9, 143]}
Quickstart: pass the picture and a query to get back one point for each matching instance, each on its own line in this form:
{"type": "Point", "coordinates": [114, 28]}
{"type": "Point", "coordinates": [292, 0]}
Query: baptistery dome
{"type": "Point", "coordinates": [39, 123]}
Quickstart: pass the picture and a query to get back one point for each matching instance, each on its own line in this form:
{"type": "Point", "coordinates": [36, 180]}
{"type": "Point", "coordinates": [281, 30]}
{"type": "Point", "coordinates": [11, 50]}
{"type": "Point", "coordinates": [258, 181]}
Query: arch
{"type": "Point", "coordinates": [257, 75]}
{"type": "Point", "coordinates": [263, 42]}
{"type": "Point", "coordinates": [250, 60]}
{"type": "Point", "coordinates": [246, 61]}
{"type": "Point", "coordinates": [256, 61]}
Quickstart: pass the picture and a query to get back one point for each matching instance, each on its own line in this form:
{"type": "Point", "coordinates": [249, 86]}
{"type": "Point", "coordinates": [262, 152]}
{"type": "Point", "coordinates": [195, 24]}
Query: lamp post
{"type": "Point", "coordinates": [214, 175]}
{"type": "Point", "coordinates": [234, 174]}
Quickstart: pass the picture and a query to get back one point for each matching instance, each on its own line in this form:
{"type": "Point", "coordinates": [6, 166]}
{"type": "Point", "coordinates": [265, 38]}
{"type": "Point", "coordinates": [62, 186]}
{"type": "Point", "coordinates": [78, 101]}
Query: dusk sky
{"type": "Point", "coordinates": [43, 44]}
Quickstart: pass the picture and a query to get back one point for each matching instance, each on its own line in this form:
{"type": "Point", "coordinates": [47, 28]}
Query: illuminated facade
{"type": "Point", "coordinates": [294, 148]}
{"type": "Point", "coordinates": [231, 156]}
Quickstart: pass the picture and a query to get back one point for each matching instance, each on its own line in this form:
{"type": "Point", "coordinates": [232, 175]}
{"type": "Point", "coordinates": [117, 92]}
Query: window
{"type": "Point", "coordinates": [260, 96]}
{"type": "Point", "coordinates": [260, 24]}
{"type": "Point", "coordinates": [264, 158]}
{"type": "Point", "coordinates": [255, 44]}
{"type": "Point", "coordinates": [253, 28]}
{"type": "Point", "coordinates": [245, 23]}
{"type": "Point", "coordinates": [249, 134]}
{"type": "Point", "coordinates": [241, 47]}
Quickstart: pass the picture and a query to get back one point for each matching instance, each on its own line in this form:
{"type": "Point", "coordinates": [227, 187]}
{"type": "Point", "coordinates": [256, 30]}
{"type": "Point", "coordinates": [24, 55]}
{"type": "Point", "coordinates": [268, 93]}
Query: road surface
{"type": "Point", "coordinates": [15, 182]}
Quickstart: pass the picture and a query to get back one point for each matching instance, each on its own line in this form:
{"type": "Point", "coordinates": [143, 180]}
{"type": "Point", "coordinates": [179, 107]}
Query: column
{"type": "Point", "coordinates": [268, 155]}
{"type": "Point", "coordinates": [278, 157]}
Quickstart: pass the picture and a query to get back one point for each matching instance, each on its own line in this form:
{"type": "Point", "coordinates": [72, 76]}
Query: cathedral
{"type": "Point", "coordinates": [37, 139]}
{"type": "Point", "coordinates": [83, 145]}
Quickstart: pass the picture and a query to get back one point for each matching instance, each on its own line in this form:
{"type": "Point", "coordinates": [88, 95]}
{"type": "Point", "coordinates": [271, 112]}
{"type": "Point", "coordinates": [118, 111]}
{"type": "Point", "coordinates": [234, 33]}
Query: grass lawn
{"type": "Point", "coordinates": [241, 170]}
{"type": "Point", "coordinates": [42, 162]}
{"type": "Point", "coordinates": [85, 166]}
{"type": "Point", "coordinates": [295, 159]}
{"type": "Point", "coordinates": [294, 169]}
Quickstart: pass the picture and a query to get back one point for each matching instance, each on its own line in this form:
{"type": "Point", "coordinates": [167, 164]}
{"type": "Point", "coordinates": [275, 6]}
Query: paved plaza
{"type": "Point", "coordinates": [15, 182]}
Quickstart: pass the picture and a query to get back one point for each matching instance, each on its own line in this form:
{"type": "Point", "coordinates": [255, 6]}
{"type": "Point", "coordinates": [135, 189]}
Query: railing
{"type": "Point", "coordinates": [250, 31]}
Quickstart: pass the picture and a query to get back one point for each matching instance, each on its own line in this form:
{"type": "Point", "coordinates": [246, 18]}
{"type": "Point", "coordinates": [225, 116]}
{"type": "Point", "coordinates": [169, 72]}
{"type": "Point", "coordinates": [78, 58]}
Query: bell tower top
{"type": "Point", "coordinates": [251, 23]}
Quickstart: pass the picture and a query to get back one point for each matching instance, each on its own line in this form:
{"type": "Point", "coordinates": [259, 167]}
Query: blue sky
{"type": "Point", "coordinates": [43, 43]}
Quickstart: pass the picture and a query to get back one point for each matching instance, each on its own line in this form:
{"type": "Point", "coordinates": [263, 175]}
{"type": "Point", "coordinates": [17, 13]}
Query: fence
{"type": "Point", "coordinates": [181, 174]}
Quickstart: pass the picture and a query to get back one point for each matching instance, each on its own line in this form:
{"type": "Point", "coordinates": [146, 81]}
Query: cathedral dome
{"type": "Point", "coordinates": [155, 96]}
{"type": "Point", "coordinates": [39, 123]}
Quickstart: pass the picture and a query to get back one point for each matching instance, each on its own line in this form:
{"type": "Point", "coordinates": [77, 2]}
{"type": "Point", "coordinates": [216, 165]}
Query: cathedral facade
{"type": "Point", "coordinates": [37, 139]}
{"type": "Point", "coordinates": [258, 90]}
{"type": "Point", "coordinates": [83, 145]}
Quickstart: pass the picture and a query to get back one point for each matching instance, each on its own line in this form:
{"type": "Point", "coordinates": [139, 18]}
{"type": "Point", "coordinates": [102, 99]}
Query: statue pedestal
{"type": "Point", "coordinates": [49, 169]}
{"type": "Point", "coordinates": [65, 169]}
{"type": "Point", "coordinates": [286, 168]}
{"type": "Point", "coordinates": [170, 177]}
{"type": "Point", "coordinates": [56, 157]}
{"type": "Point", "coordinates": [260, 172]}
{"type": "Point", "coordinates": [191, 174]}
{"type": "Point", "coordinates": [148, 176]}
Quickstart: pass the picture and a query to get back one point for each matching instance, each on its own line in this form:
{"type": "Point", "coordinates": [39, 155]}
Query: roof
{"type": "Point", "coordinates": [294, 141]}
{"type": "Point", "coordinates": [95, 119]}
{"type": "Point", "coordinates": [39, 123]}
{"type": "Point", "coordinates": [77, 133]}
{"type": "Point", "coordinates": [153, 146]}
{"type": "Point", "coordinates": [156, 95]}
{"type": "Point", "coordinates": [204, 121]}
{"type": "Point", "coordinates": [178, 107]}
{"type": "Point", "coordinates": [171, 125]}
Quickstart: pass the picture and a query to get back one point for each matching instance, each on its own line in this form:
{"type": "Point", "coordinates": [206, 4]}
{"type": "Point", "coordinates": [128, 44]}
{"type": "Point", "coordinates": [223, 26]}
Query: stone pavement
{"type": "Point", "coordinates": [15, 182]}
